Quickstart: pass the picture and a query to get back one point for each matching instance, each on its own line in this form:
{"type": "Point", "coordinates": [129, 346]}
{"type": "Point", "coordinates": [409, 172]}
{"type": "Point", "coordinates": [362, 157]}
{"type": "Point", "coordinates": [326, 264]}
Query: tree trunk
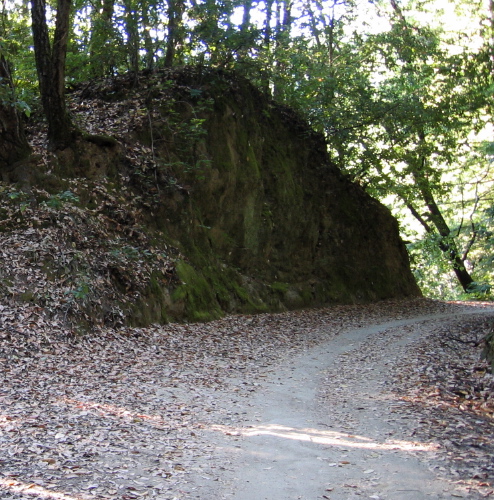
{"type": "Point", "coordinates": [418, 169]}
{"type": "Point", "coordinates": [132, 31]}
{"type": "Point", "coordinates": [446, 243]}
{"type": "Point", "coordinates": [283, 28]}
{"type": "Point", "coordinates": [268, 31]}
{"type": "Point", "coordinates": [174, 39]}
{"type": "Point", "coordinates": [102, 61]}
{"type": "Point", "coordinates": [246, 15]}
{"type": "Point", "coordinates": [148, 41]}
{"type": "Point", "coordinates": [50, 65]}
{"type": "Point", "coordinates": [266, 74]}
{"type": "Point", "coordinates": [14, 146]}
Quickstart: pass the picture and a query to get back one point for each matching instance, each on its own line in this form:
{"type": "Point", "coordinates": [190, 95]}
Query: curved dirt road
{"type": "Point", "coordinates": [326, 426]}
{"type": "Point", "coordinates": [298, 405]}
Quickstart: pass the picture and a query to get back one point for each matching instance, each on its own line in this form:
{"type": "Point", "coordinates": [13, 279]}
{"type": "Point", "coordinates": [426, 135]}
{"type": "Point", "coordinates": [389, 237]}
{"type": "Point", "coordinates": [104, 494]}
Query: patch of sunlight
{"type": "Point", "coordinates": [319, 436]}
{"type": "Point", "coordinates": [108, 410]}
{"type": "Point", "coordinates": [34, 490]}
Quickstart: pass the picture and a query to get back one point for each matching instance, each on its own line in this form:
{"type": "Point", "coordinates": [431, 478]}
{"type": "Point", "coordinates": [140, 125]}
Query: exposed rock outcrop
{"type": "Point", "coordinates": [260, 197]}
{"type": "Point", "coordinates": [192, 196]}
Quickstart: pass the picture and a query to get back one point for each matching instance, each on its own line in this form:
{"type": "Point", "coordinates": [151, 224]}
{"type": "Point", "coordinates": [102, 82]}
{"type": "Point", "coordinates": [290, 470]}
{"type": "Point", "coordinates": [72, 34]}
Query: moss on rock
{"type": "Point", "coordinates": [196, 293]}
{"type": "Point", "coordinates": [244, 192]}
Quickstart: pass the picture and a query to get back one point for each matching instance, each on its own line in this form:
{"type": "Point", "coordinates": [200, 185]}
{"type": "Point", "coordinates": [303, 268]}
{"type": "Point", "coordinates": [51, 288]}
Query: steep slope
{"type": "Point", "coordinates": [209, 198]}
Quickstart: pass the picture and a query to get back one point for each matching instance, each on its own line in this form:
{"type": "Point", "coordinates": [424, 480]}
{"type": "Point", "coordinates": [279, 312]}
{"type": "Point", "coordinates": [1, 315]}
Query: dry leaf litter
{"type": "Point", "coordinates": [436, 392]}
{"type": "Point", "coordinates": [120, 413]}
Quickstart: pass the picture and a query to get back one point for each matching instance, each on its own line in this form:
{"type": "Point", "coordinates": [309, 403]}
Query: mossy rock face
{"type": "Point", "coordinates": [272, 205]}
{"type": "Point", "coordinates": [259, 217]}
{"type": "Point", "coordinates": [269, 206]}
{"type": "Point", "coordinates": [196, 293]}
{"type": "Point", "coordinates": [208, 293]}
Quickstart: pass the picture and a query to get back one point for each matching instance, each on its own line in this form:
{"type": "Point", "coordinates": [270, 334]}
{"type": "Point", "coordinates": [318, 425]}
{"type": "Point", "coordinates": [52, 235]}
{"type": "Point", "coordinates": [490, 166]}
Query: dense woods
{"type": "Point", "coordinates": [401, 90]}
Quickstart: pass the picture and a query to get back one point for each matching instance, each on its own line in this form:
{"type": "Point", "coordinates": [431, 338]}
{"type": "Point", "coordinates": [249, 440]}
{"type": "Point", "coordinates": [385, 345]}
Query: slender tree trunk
{"type": "Point", "coordinates": [245, 42]}
{"type": "Point", "coordinates": [50, 65]}
{"type": "Point", "coordinates": [313, 26]}
{"type": "Point", "coordinates": [246, 15]}
{"type": "Point", "coordinates": [267, 25]}
{"type": "Point", "coordinates": [101, 61]}
{"type": "Point", "coordinates": [132, 31]}
{"type": "Point", "coordinates": [446, 243]}
{"type": "Point", "coordinates": [398, 12]}
{"type": "Point", "coordinates": [148, 41]}
{"type": "Point", "coordinates": [283, 28]}
{"type": "Point", "coordinates": [13, 144]}
{"type": "Point", "coordinates": [268, 33]}
{"type": "Point", "coordinates": [174, 39]}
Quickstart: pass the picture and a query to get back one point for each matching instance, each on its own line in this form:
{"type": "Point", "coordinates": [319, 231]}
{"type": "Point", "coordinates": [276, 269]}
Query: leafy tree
{"type": "Point", "coordinates": [150, 20]}
{"type": "Point", "coordinates": [12, 138]}
{"type": "Point", "coordinates": [131, 22]}
{"type": "Point", "coordinates": [399, 108]}
{"type": "Point", "coordinates": [175, 37]}
{"type": "Point", "coordinates": [438, 97]}
{"type": "Point", "coordinates": [401, 105]}
{"type": "Point", "coordinates": [103, 47]}
{"type": "Point", "coordinates": [15, 38]}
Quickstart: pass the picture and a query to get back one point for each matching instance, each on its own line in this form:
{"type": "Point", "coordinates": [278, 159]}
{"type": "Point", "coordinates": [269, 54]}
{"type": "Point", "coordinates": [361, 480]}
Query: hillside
{"type": "Point", "coordinates": [189, 195]}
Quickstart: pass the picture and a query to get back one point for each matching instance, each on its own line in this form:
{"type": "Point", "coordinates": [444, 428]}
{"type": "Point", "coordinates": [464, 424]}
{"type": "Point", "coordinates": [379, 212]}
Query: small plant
{"type": "Point", "coordinates": [57, 201]}
{"type": "Point", "coordinates": [15, 195]}
{"type": "Point", "coordinates": [21, 198]}
{"type": "Point", "coordinates": [195, 92]}
{"type": "Point", "coordinates": [478, 291]}
{"type": "Point", "coordinates": [127, 252]}
{"type": "Point", "coordinates": [81, 292]}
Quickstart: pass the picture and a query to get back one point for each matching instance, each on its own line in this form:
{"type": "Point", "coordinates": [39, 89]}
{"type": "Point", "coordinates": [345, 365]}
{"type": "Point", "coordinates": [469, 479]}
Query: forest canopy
{"type": "Point", "coordinates": [402, 90]}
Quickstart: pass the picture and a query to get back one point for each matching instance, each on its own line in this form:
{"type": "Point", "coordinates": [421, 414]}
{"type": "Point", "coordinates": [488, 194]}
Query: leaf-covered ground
{"type": "Point", "coordinates": [121, 413]}
{"type": "Point", "coordinates": [438, 391]}
{"type": "Point", "coordinates": [451, 391]}
{"type": "Point", "coordinates": [82, 266]}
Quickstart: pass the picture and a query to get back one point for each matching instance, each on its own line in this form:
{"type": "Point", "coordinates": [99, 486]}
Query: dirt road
{"type": "Point", "coordinates": [327, 424]}
{"type": "Point", "coordinates": [300, 405]}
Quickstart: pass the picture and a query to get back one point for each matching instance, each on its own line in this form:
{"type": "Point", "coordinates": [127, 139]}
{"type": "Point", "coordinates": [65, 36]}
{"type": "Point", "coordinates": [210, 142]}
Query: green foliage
{"type": "Point", "coordinates": [19, 199]}
{"type": "Point", "coordinates": [400, 94]}
{"type": "Point", "coordinates": [129, 253]}
{"type": "Point", "coordinates": [177, 142]}
{"type": "Point", "coordinates": [400, 108]}
{"type": "Point", "coordinates": [58, 200]}
{"type": "Point", "coordinates": [482, 256]}
{"type": "Point", "coordinates": [432, 270]}
{"type": "Point", "coordinates": [15, 41]}
{"type": "Point", "coordinates": [9, 98]}
{"type": "Point", "coordinates": [81, 292]}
